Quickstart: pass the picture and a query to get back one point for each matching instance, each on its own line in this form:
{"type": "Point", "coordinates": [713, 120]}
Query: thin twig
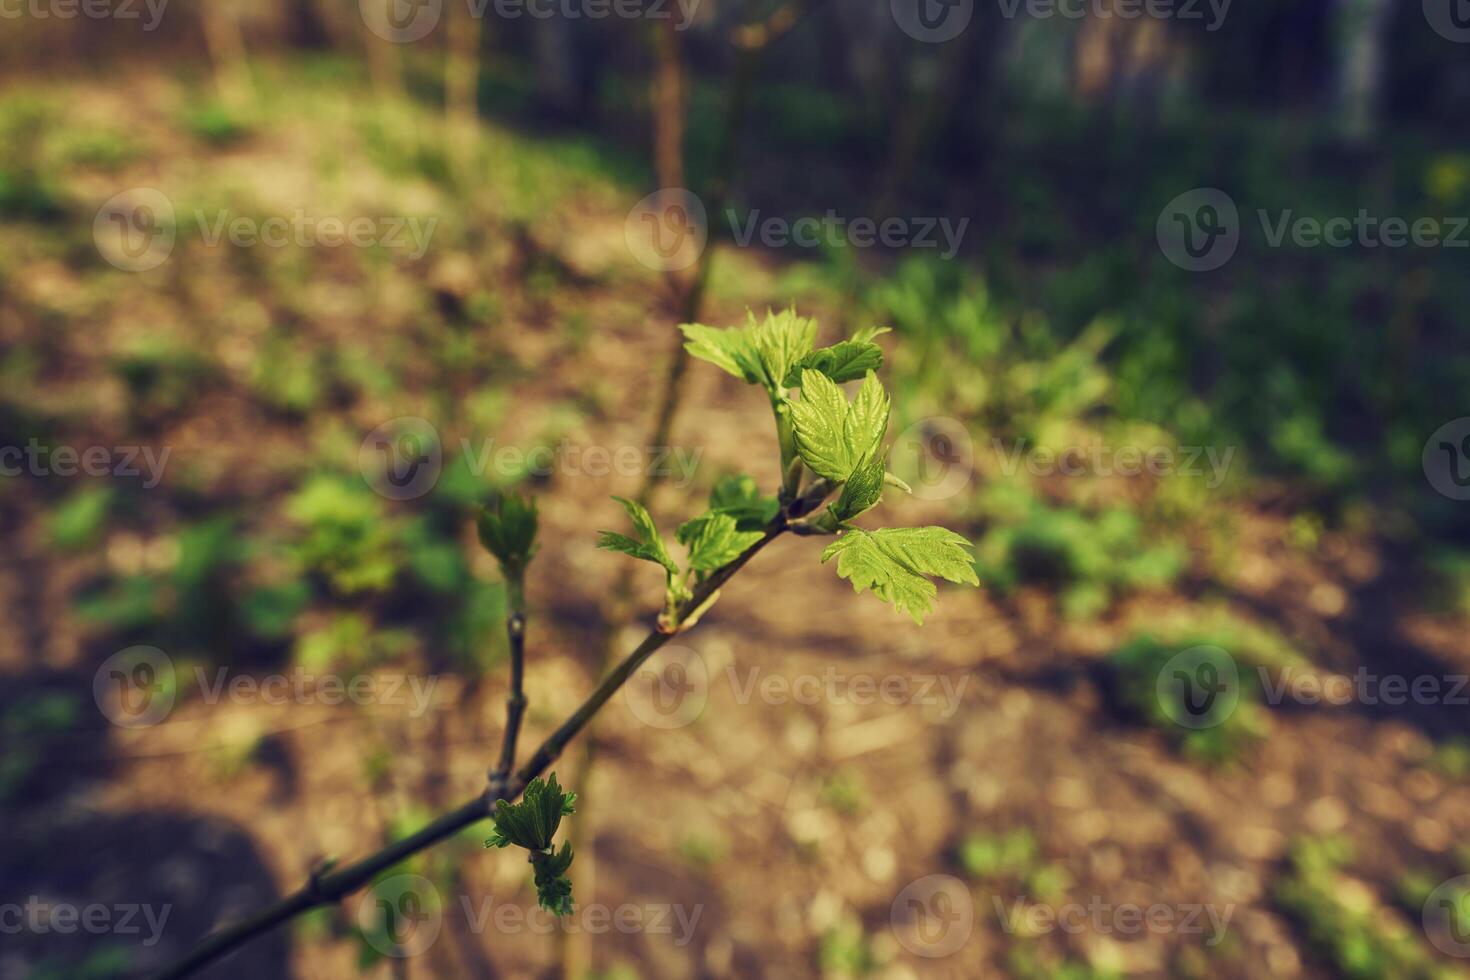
{"type": "Point", "coordinates": [515, 701]}
{"type": "Point", "coordinates": [325, 889]}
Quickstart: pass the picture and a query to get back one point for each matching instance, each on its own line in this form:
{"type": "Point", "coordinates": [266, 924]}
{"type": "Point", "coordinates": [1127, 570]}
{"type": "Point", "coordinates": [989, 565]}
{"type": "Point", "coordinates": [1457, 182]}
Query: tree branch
{"type": "Point", "coordinates": [515, 701]}
{"type": "Point", "coordinates": [327, 888]}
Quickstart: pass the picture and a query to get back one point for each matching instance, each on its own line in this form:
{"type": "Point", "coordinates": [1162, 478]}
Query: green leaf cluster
{"type": "Point", "coordinates": [835, 441]}
{"type": "Point", "coordinates": [736, 520]}
{"type": "Point", "coordinates": [507, 527]}
{"type": "Point", "coordinates": [775, 351]}
{"type": "Point", "coordinates": [532, 823]}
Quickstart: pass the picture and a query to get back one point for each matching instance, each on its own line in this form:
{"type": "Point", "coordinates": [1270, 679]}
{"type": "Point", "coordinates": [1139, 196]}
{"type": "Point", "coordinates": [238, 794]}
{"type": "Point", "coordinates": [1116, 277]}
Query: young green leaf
{"type": "Point", "coordinates": [738, 496]}
{"type": "Point", "coordinates": [730, 349]}
{"type": "Point", "coordinates": [894, 563]}
{"type": "Point", "coordinates": [507, 528]}
{"type": "Point", "coordinates": [532, 823]}
{"type": "Point", "coordinates": [648, 545]}
{"type": "Point", "coordinates": [844, 361]}
{"type": "Point", "coordinates": [714, 540]}
{"type": "Point", "coordinates": [866, 334]}
{"type": "Point", "coordinates": [832, 436]}
{"type": "Point", "coordinates": [553, 887]}
{"type": "Point", "coordinates": [862, 491]}
{"type": "Point", "coordinates": [868, 418]}
{"type": "Point", "coordinates": [760, 352]}
{"type": "Point", "coordinates": [781, 340]}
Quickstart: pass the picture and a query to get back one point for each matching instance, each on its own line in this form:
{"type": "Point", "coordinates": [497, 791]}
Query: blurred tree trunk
{"type": "Point", "coordinates": [1359, 31]}
{"type": "Point", "coordinates": [670, 101]}
{"type": "Point", "coordinates": [567, 61]}
{"type": "Point", "coordinates": [1095, 55]}
{"type": "Point", "coordinates": [935, 87]}
{"type": "Point", "coordinates": [869, 49]}
{"type": "Point", "coordinates": [226, 43]}
{"type": "Point", "coordinates": [461, 87]}
{"type": "Point", "coordinates": [306, 27]}
{"type": "Point", "coordinates": [383, 66]}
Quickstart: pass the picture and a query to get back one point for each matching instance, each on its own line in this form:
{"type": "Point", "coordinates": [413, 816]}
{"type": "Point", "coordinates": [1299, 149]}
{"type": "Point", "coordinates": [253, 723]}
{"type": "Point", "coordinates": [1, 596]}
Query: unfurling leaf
{"type": "Point", "coordinates": [738, 496]}
{"type": "Point", "coordinates": [845, 361]}
{"type": "Point", "coordinates": [832, 436]}
{"type": "Point", "coordinates": [866, 334]}
{"type": "Point", "coordinates": [782, 340]}
{"type": "Point", "coordinates": [647, 546]}
{"type": "Point", "coordinates": [714, 540]}
{"type": "Point", "coordinates": [761, 352]}
{"type": "Point", "coordinates": [532, 823]}
{"type": "Point", "coordinates": [862, 491]}
{"type": "Point", "coordinates": [553, 887]}
{"type": "Point", "coordinates": [507, 527]}
{"type": "Point", "coordinates": [731, 349]}
{"type": "Point", "coordinates": [894, 563]}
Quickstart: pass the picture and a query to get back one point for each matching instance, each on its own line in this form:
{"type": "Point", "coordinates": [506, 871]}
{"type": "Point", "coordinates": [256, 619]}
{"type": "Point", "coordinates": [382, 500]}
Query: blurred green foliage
{"type": "Point", "coordinates": [1344, 922]}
